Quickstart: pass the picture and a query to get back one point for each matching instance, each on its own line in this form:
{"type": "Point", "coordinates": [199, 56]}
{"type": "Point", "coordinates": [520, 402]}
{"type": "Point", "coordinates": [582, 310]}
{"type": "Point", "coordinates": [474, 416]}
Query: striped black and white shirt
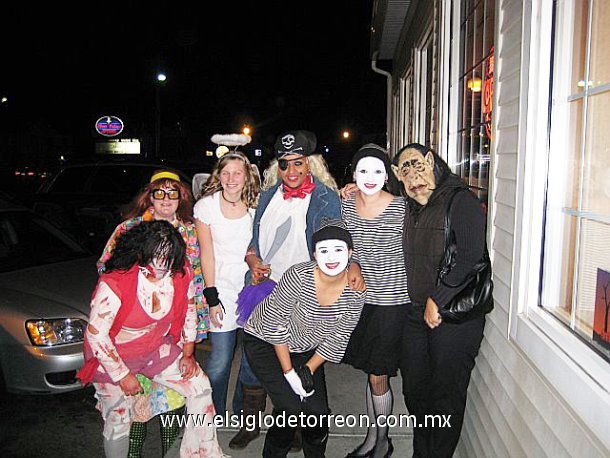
{"type": "Point", "coordinates": [378, 250]}
{"type": "Point", "coordinates": [292, 315]}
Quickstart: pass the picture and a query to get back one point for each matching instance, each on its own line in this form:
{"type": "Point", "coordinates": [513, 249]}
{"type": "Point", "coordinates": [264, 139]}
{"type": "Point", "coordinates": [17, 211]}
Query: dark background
{"type": "Point", "coordinates": [272, 65]}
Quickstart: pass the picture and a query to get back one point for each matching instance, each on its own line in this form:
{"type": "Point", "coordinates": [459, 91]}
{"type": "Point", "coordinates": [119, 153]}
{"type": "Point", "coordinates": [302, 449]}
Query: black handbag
{"type": "Point", "coordinates": [476, 296]}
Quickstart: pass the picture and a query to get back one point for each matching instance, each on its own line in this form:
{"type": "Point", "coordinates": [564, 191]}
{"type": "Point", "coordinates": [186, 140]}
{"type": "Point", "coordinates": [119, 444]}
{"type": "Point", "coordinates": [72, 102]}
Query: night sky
{"type": "Point", "coordinates": [274, 65]}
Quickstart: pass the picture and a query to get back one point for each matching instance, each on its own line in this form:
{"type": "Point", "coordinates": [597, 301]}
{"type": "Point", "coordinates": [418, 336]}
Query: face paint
{"type": "Point", "coordinates": [370, 175]}
{"type": "Point", "coordinates": [159, 266]}
{"type": "Point", "coordinates": [332, 256]}
{"type": "Point", "coordinates": [416, 172]}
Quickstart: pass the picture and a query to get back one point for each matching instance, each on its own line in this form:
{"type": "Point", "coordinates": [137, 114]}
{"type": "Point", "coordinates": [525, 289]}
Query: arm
{"type": "Point", "coordinates": [468, 225]}
{"type": "Point", "coordinates": [276, 309]}
{"type": "Point", "coordinates": [333, 347]}
{"type": "Point", "coordinates": [189, 328]}
{"type": "Point", "coordinates": [188, 365]}
{"type": "Point", "coordinates": [283, 356]}
{"type": "Point", "coordinates": [104, 308]}
{"type": "Point", "coordinates": [109, 248]}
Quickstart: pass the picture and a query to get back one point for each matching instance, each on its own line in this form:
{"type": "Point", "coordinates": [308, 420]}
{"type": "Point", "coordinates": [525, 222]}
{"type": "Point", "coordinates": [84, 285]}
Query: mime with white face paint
{"type": "Point", "coordinates": [375, 219]}
{"type": "Point", "coordinates": [306, 321]}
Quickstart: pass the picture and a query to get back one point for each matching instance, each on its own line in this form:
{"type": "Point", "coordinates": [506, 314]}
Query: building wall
{"type": "Point", "coordinates": [512, 410]}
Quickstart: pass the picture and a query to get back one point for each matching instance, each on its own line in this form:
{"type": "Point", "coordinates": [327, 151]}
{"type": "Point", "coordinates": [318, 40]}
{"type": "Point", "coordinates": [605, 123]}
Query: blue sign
{"type": "Point", "coordinates": [109, 126]}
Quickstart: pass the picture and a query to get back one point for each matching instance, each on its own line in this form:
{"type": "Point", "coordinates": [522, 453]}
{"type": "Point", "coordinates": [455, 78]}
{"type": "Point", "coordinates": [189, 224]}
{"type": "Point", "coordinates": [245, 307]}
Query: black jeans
{"type": "Point", "coordinates": [435, 366]}
{"type": "Point", "coordinates": [265, 365]}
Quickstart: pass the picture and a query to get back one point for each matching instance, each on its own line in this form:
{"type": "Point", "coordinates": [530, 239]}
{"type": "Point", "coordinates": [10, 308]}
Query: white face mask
{"type": "Point", "coordinates": [332, 256]}
{"type": "Point", "coordinates": [370, 175]}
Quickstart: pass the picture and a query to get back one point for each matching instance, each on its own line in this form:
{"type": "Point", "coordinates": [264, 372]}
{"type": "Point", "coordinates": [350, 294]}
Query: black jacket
{"type": "Point", "coordinates": [424, 240]}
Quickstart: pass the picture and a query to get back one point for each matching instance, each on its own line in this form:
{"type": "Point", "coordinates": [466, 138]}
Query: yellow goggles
{"type": "Point", "coordinates": [159, 194]}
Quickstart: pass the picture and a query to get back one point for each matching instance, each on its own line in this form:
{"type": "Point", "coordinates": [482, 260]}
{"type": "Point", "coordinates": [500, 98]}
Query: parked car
{"type": "Point", "coordinates": [46, 281]}
{"type": "Point", "coordinates": [86, 199]}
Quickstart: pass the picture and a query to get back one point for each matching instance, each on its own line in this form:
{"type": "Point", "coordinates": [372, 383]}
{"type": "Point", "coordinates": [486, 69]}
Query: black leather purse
{"type": "Point", "coordinates": [476, 296]}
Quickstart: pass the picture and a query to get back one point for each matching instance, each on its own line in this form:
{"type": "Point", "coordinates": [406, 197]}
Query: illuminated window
{"type": "Point", "coordinates": [476, 83]}
{"type": "Point", "coordinates": [576, 265]}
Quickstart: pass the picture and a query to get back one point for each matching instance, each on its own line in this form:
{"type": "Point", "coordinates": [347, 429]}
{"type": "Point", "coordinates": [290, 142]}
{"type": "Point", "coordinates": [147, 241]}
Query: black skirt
{"type": "Point", "coordinates": [374, 346]}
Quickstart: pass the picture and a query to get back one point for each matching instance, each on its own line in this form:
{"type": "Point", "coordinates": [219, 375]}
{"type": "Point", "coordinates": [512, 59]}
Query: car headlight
{"type": "Point", "coordinates": [56, 332]}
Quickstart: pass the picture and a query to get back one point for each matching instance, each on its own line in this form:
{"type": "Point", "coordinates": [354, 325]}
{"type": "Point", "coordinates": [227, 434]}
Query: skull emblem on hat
{"type": "Point", "coordinates": [288, 141]}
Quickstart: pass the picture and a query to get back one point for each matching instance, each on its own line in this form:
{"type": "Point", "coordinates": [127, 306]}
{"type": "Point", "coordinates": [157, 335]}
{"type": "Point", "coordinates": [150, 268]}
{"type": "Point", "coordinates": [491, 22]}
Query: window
{"type": "Point", "coordinates": [425, 83]}
{"type": "Point", "coordinates": [476, 62]}
{"type": "Point", "coordinates": [576, 264]}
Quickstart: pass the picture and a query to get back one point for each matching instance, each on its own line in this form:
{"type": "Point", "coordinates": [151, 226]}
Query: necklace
{"type": "Point", "coordinates": [233, 203]}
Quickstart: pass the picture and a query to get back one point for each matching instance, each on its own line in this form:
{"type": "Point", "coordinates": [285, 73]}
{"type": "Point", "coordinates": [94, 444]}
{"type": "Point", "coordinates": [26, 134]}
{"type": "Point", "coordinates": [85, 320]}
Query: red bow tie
{"type": "Point", "coordinates": [301, 192]}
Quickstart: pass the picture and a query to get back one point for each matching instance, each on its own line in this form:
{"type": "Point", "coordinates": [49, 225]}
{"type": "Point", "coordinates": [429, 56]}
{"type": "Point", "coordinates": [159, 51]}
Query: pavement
{"type": "Point", "coordinates": [346, 393]}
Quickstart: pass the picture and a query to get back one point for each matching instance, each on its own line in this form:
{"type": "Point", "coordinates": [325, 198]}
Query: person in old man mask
{"type": "Point", "coordinates": [437, 357]}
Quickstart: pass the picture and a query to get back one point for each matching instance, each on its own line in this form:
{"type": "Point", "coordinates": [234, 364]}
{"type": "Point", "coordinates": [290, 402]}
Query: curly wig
{"type": "Point", "coordinates": [149, 240]}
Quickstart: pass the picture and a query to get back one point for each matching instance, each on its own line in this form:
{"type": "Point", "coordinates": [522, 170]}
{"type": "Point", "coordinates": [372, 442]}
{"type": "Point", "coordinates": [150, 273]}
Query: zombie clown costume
{"type": "Point", "coordinates": [143, 321]}
{"type": "Point", "coordinates": [437, 356]}
{"type": "Point", "coordinates": [304, 322]}
{"type": "Point", "coordinates": [375, 219]}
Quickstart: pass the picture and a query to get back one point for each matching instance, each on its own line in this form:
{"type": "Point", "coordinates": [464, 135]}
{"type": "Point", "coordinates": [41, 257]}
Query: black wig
{"type": "Point", "coordinates": [148, 240]}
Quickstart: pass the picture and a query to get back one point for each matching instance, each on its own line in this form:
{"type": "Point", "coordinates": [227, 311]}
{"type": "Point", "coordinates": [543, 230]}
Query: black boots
{"type": "Point", "coordinates": [255, 399]}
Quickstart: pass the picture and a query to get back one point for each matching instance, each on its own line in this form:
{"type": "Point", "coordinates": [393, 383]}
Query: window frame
{"type": "Point", "coordinates": [561, 356]}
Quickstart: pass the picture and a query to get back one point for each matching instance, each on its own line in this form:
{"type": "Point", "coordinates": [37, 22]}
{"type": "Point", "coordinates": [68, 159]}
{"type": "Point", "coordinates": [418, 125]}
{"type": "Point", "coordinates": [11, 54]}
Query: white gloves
{"type": "Point", "coordinates": [296, 385]}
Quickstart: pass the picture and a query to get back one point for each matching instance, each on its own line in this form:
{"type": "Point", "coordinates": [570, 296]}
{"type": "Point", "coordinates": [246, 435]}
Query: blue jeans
{"type": "Point", "coordinates": [217, 366]}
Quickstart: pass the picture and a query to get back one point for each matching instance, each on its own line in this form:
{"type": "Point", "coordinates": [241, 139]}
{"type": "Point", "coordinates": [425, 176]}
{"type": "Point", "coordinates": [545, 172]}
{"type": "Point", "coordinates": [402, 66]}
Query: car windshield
{"type": "Point", "coordinates": [27, 241]}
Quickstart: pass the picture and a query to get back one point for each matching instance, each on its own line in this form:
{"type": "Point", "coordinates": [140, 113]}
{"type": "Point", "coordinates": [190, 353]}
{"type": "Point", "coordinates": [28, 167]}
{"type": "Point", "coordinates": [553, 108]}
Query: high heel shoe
{"type": "Point", "coordinates": [354, 453]}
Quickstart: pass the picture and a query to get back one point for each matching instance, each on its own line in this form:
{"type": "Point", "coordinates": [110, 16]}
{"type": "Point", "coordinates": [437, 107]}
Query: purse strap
{"type": "Point", "coordinates": [448, 218]}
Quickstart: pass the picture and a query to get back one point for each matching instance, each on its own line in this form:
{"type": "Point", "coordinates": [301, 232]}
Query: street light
{"type": "Point", "coordinates": [246, 130]}
{"type": "Point", "coordinates": [161, 78]}
{"type": "Point", "coordinates": [345, 135]}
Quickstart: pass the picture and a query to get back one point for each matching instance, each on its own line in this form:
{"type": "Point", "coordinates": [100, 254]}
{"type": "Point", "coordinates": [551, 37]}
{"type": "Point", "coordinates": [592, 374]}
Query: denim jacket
{"type": "Point", "coordinates": [324, 203]}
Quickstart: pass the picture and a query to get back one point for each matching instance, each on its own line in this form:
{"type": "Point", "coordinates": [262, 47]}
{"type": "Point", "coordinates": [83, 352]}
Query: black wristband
{"type": "Point", "coordinates": [306, 377]}
{"type": "Point", "coordinates": [211, 296]}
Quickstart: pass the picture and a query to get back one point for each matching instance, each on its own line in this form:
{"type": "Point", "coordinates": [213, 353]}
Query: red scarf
{"type": "Point", "coordinates": [302, 191]}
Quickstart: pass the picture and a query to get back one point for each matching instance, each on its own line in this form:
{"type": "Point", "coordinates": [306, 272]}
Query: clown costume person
{"type": "Point", "coordinates": [304, 322]}
{"type": "Point", "coordinates": [143, 321]}
{"type": "Point", "coordinates": [375, 218]}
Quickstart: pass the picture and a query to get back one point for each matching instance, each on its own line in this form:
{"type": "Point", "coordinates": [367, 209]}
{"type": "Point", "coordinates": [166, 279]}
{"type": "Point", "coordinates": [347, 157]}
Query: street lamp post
{"type": "Point", "coordinates": [160, 81]}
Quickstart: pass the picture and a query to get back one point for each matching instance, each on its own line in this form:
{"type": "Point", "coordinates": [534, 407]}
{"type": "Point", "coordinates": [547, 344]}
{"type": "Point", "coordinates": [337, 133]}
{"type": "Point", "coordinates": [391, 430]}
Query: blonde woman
{"type": "Point", "coordinates": [223, 218]}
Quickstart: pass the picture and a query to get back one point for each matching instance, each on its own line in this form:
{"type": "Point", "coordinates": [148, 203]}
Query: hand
{"type": "Point", "coordinates": [258, 269]}
{"type": "Point", "coordinates": [188, 367]}
{"type": "Point", "coordinates": [349, 190]}
{"type": "Point", "coordinates": [216, 316]}
{"type": "Point", "coordinates": [306, 377]}
{"type": "Point", "coordinates": [296, 384]}
{"type": "Point", "coordinates": [431, 315]}
{"type": "Point", "coordinates": [130, 385]}
{"type": "Point", "coordinates": [355, 279]}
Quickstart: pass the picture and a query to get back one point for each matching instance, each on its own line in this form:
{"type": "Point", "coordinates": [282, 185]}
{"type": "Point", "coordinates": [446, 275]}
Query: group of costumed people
{"type": "Point", "coordinates": [300, 274]}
